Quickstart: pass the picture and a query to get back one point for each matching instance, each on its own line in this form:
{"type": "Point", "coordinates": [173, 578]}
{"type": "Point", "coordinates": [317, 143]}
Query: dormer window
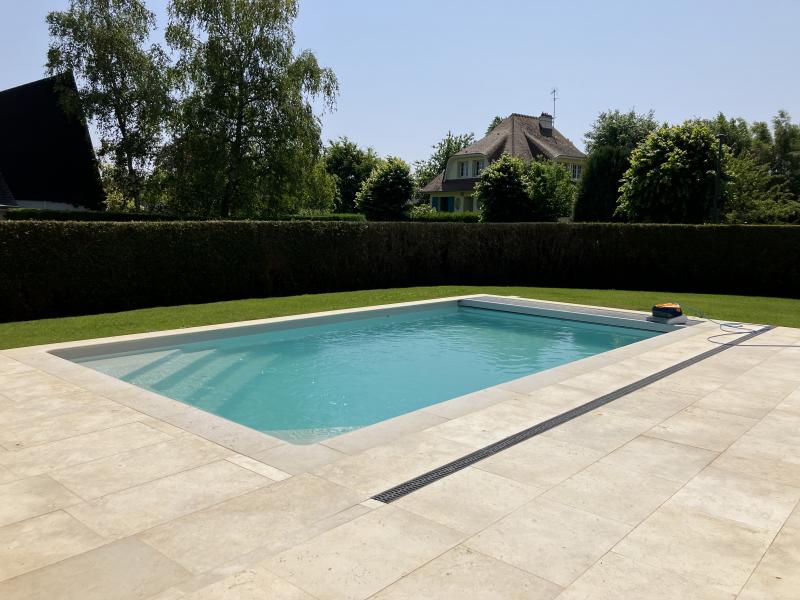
{"type": "Point", "coordinates": [477, 167]}
{"type": "Point", "coordinates": [577, 171]}
{"type": "Point", "coordinates": [463, 168]}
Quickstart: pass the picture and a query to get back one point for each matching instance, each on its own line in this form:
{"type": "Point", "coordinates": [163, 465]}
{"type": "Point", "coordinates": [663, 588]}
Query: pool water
{"type": "Point", "coordinates": [310, 383]}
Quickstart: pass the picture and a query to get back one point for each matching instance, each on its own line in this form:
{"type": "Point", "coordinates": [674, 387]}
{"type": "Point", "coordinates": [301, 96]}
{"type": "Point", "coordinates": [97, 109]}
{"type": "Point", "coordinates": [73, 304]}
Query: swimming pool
{"type": "Point", "coordinates": [309, 381]}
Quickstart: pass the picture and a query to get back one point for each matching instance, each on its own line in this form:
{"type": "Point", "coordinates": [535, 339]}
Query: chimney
{"type": "Point", "coordinates": [546, 124]}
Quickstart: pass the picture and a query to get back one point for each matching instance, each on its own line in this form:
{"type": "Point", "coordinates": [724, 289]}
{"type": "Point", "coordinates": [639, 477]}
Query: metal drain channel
{"type": "Point", "coordinates": [421, 481]}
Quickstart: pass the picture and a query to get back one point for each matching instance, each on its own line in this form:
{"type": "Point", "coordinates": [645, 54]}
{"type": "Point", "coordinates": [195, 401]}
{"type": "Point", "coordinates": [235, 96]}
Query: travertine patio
{"type": "Point", "coordinates": [688, 488]}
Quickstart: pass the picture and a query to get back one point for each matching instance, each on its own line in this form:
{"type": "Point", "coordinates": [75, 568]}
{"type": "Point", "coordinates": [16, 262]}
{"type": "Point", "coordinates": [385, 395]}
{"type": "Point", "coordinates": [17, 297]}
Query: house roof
{"type": "Point", "coordinates": [46, 154]}
{"type": "Point", "coordinates": [6, 197]}
{"type": "Point", "coordinates": [517, 135]}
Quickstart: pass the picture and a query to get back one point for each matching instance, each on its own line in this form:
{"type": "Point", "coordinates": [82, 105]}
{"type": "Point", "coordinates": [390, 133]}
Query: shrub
{"type": "Point", "coordinates": [501, 190]}
{"type": "Point", "coordinates": [598, 191]}
{"type": "Point", "coordinates": [446, 217]}
{"type": "Point", "coordinates": [512, 190]}
{"type": "Point", "coordinates": [671, 177]}
{"type": "Point", "coordinates": [52, 269]}
{"type": "Point", "coordinates": [420, 211]}
{"type": "Point", "coordinates": [550, 189]}
{"type": "Point", "coordinates": [324, 217]}
{"type": "Point", "coordinates": [385, 193]}
{"type": "Point", "coordinates": [32, 214]}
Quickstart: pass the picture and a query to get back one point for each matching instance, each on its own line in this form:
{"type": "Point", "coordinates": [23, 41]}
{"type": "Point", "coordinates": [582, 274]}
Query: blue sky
{"type": "Point", "coordinates": [412, 70]}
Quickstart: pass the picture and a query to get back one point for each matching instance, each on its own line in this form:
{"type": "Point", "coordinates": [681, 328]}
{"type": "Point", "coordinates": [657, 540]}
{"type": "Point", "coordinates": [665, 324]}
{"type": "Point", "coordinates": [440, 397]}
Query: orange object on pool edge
{"type": "Point", "coordinates": [667, 310]}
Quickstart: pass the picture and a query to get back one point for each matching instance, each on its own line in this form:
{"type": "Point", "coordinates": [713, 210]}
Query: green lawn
{"type": "Point", "coordinates": [773, 311]}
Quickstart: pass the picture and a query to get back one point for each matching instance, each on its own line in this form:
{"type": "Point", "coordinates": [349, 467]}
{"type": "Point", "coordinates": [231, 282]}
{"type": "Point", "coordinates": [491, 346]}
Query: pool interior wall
{"type": "Point", "coordinates": [311, 380]}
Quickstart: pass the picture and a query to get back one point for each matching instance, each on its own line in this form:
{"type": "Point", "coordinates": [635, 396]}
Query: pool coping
{"type": "Point", "coordinates": [293, 459]}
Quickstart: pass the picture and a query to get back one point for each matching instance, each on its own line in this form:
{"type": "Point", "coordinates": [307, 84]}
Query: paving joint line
{"type": "Point", "coordinates": [412, 485]}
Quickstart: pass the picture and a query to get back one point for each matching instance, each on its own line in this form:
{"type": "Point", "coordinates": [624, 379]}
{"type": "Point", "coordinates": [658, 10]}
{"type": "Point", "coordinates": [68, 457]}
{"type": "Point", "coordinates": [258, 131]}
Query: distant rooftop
{"type": "Point", "coordinates": [523, 136]}
{"type": "Point", "coordinates": [46, 154]}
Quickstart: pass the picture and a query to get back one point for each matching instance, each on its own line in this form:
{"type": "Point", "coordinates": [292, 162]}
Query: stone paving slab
{"type": "Point", "coordinates": [688, 488]}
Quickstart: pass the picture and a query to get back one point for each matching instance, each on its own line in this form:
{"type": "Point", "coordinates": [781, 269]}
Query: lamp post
{"type": "Point", "coordinates": [721, 137]}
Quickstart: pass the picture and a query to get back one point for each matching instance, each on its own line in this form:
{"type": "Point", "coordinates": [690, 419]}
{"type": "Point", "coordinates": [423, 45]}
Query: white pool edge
{"type": "Point", "coordinates": [51, 359]}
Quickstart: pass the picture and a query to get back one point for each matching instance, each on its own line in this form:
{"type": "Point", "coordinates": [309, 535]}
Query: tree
{"type": "Point", "coordinates": [620, 130]}
{"type": "Point", "coordinates": [512, 190]}
{"type": "Point", "coordinates": [245, 134]}
{"type": "Point", "coordinates": [598, 190]}
{"type": "Point", "coordinates": [495, 122]}
{"type": "Point", "coordinates": [425, 170]}
{"type": "Point", "coordinates": [738, 136]}
{"type": "Point", "coordinates": [610, 142]}
{"type": "Point", "coordinates": [550, 189]}
{"type": "Point", "coordinates": [501, 191]}
{"type": "Point", "coordinates": [319, 192]}
{"type": "Point", "coordinates": [757, 196]}
{"type": "Point", "coordinates": [122, 85]}
{"type": "Point", "coordinates": [351, 166]}
{"type": "Point", "coordinates": [786, 150]}
{"type": "Point", "coordinates": [761, 147]}
{"type": "Point", "coordinates": [385, 193]}
{"type": "Point", "coordinates": [671, 177]}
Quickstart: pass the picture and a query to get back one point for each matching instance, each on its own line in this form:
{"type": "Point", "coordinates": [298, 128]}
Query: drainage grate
{"type": "Point", "coordinates": [413, 485]}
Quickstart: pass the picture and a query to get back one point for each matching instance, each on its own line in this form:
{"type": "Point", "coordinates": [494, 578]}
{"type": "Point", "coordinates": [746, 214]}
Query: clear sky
{"type": "Point", "coordinates": [412, 70]}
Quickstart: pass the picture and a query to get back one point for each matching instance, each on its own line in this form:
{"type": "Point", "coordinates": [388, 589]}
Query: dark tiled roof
{"type": "Point", "coordinates": [451, 185]}
{"type": "Point", "coordinates": [434, 185]}
{"type": "Point", "coordinates": [46, 154]}
{"type": "Point", "coordinates": [6, 197]}
{"type": "Point", "coordinates": [517, 135]}
{"type": "Point", "coordinates": [521, 135]}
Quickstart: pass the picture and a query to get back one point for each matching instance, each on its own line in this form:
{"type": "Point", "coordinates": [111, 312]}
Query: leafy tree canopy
{"type": "Point", "coordinates": [598, 190]}
{"type": "Point", "coordinates": [512, 190]}
{"type": "Point", "coordinates": [671, 176]}
{"type": "Point", "coordinates": [122, 83]}
{"type": "Point", "coordinates": [495, 122]}
{"type": "Point", "coordinates": [738, 136]}
{"type": "Point", "coordinates": [786, 150]}
{"type": "Point", "coordinates": [386, 192]}
{"type": "Point", "coordinates": [550, 189]}
{"type": "Point", "coordinates": [350, 165]}
{"type": "Point", "coordinates": [425, 170]}
{"type": "Point", "coordinates": [245, 134]}
{"type": "Point", "coordinates": [620, 130]}
{"type": "Point", "coordinates": [757, 196]}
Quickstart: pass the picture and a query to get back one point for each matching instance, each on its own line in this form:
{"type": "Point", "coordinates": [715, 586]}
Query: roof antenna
{"type": "Point", "coordinates": [554, 94]}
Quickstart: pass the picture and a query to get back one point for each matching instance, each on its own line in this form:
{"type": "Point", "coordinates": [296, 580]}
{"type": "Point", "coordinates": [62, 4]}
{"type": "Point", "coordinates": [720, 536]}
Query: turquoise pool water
{"type": "Point", "coordinates": [310, 383]}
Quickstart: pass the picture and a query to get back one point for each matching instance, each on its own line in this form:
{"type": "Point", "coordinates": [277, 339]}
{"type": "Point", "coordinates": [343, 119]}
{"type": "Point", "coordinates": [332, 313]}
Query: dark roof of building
{"type": "Point", "coordinates": [451, 185]}
{"type": "Point", "coordinates": [523, 136]}
{"type": "Point", "coordinates": [45, 153]}
{"type": "Point", "coordinates": [6, 197]}
{"type": "Point", "coordinates": [517, 135]}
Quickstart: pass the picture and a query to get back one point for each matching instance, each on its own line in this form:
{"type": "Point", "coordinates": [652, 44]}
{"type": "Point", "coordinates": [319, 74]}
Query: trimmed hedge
{"type": "Point", "coordinates": [331, 217]}
{"type": "Point", "coordinates": [67, 268]}
{"type": "Point", "coordinates": [447, 217]}
{"type": "Point", "coordinates": [34, 214]}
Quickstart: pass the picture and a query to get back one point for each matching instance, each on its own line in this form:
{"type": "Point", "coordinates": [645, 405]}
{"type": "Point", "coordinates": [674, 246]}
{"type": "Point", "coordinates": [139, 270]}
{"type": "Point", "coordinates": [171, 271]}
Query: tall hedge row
{"type": "Point", "coordinates": [35, 214]}
{"type": "Point", "coordinates": [67, 268]}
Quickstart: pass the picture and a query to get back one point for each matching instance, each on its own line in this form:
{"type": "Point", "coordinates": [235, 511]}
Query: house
{"type": "Point", "coordinates": [46, 155]}
{"type": "Point", "coordinates": [519, 135]}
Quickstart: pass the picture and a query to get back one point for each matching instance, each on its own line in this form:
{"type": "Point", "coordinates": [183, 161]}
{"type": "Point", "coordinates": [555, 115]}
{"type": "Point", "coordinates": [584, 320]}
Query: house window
{"type": "Point", "coordinates": [435, 202]}
{"type": "Point", "coordinates": [477, 167]}
{"type": "Point", "coordinates": [463, 169]}
{"type": "Point", "coordinates": [576, 171]}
